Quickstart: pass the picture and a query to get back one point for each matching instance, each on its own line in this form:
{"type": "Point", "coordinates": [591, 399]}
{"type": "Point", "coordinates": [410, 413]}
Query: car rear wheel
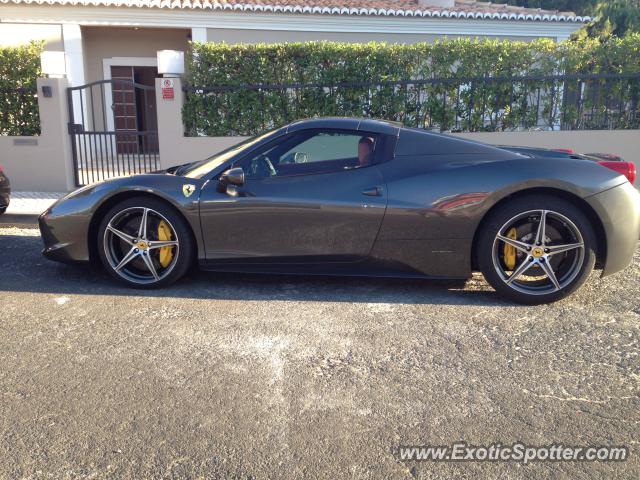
{"type": "Point", "coordinates": [145, 243]}
{"type": "Point", "coordinates": [536, 249]}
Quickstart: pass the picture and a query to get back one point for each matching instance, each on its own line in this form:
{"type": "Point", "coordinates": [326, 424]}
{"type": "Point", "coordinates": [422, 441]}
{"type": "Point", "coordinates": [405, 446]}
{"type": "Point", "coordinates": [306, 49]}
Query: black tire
{"type": "Point", "coordinates": [498, 218]}
{"type": "Point", "coordinates": [183, 256]}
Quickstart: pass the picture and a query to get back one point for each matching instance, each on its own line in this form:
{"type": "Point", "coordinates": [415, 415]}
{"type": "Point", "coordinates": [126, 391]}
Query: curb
{"type": "Point", "coordinates": [19, 220]}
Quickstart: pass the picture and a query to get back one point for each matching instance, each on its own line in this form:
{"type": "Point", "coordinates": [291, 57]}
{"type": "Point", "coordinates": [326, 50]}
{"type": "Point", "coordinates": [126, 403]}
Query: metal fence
{"type": "Point", "coordinates": [556, 102]}
{"type": "Point", "coordinates": [113, 129]}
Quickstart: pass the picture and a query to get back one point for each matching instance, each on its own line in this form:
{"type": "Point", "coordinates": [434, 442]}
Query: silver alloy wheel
{"type": "Point", "coordinates": [550, 264]}
{"type": "Point", "coordinates": [132, 251]}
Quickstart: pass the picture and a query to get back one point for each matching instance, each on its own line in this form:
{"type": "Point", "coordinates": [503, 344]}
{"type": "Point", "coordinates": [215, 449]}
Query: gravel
{"type": "Point", "coordinates": [244, 376]}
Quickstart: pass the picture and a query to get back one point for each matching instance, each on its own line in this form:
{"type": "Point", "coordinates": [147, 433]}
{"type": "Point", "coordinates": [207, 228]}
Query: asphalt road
{"type": "Point", "coordinates": [236, 376]}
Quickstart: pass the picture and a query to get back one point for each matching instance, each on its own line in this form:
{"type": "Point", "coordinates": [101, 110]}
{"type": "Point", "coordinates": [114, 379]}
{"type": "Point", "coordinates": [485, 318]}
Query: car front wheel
{"type": "Point", "coordinates": [536, 249]}
{"type": "Point", "coordinates": [145, 243]}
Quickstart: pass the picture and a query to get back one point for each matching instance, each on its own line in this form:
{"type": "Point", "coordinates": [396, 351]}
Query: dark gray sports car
{"type": "Point", "coordinates": [358, 197]}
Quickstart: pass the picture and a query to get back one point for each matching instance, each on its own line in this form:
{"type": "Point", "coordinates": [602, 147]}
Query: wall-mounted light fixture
{"type": "Point", "coordinates": [53, 64]}
{"type": "Point", "coordinates": [170, 63]}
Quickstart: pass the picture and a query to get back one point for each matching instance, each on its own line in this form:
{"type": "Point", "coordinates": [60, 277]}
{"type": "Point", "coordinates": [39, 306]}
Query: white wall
{"type": "Point", "coordinates": [42, 163]}
{"type": "Point", "coordinates": [15, 34]}
{"type": "Point", "coordinates": [107, 42]}
{"type": "Point", "coordinates": [626, 143]}
{"type": "Point", "coordinates": [175, 148]}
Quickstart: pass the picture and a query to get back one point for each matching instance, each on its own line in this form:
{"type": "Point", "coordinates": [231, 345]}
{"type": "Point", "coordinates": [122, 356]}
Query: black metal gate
{"type": "Point", "coordinates": [114, 130]}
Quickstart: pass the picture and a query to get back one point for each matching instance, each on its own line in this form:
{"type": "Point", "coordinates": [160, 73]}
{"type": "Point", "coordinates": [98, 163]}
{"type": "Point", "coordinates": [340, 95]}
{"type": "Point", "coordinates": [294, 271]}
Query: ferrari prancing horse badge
{"type": "Point", "coordinates": [188, 189]}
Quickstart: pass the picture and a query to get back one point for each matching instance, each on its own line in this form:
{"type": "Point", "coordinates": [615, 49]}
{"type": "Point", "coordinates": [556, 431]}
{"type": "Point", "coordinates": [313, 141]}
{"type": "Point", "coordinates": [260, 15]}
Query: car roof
{"type": "Point", "coordinates": [347, 123]}
{"type": "Point", "coordinates": [413, 137]}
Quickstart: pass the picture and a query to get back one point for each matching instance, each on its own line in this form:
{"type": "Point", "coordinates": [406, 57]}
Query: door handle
{"type": "Point", "coordinates": [373, 192]}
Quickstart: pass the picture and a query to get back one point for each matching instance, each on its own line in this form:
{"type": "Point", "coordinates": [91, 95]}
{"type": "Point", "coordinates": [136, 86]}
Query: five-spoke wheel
{"type": "Point", "coordinates": [143, 242]}
{"type": "Point", "coordinates": [536, 249]}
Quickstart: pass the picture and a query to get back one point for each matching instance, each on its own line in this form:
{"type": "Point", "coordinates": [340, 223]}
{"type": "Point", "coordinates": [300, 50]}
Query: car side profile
{"type": "Point", "coordinates": [343, 196]}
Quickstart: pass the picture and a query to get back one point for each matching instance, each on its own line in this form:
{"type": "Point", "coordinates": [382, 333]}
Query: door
{"type": "Point", "coordinates": [146, 107]}
{"type": "Point", "coordinates": [309, 198]}
{"type": "Point", "coordinates": [134, 109]}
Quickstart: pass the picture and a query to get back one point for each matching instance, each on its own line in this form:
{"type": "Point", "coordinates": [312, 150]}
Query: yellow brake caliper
{"type": "Point", "coordinates": [510, 251]}
{"type": "Point", "coordinates": [166, 253]}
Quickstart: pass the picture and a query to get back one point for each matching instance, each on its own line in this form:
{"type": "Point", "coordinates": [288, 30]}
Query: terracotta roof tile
{"type": "Point", "coordinates": [470, 9]}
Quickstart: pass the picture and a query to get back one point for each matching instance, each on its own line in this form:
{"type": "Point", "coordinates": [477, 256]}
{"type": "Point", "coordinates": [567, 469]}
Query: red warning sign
{"type": "Point", "coordinates": [167, 89]}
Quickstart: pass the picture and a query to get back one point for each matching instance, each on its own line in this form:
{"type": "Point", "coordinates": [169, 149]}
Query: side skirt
{"type": "Point", "coordinates": [364, 268]}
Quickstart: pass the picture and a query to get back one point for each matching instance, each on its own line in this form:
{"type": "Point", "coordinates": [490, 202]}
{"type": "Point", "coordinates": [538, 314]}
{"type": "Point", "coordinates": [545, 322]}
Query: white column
{"type": "Point", "coordinates": [558, 124]}
{"type": "Point", "coordinates": [72, 39]}
{"type": "Point", "coordinates": [199, 34]}
{"type": "Point", "coordinates": [55, 142]}
{"type": "Point", "coordinates": [74, 53]}
{"type": "Point", "coordinates": [170, 127]}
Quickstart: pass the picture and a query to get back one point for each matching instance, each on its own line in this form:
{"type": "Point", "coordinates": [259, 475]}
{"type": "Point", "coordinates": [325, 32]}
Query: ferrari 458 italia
{"type": "Point", "coordinates": [341, 196]}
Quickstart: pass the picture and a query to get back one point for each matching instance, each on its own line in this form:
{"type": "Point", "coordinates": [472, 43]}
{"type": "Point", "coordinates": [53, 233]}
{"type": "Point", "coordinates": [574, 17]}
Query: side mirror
{"type": "Point", "coordinates": [233, 176]}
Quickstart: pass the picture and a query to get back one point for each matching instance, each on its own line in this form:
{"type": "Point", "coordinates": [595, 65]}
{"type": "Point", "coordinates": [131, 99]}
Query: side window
{"type": "Point", "coordinates": [313, 151]}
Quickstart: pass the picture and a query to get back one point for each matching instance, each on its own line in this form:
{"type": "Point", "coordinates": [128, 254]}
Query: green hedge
{"type": "Point", "coordinates": [19, 69]}
{"type": "Point", "coordinates": [461, 106]}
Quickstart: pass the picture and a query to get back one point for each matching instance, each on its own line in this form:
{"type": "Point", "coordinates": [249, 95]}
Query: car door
{"type": "Point", "coordinates": [305, 198]}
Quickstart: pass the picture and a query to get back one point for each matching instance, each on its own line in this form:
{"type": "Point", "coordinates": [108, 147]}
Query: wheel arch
{"type": "Point", "coordinates": [592, 216]}
{"type": "Point", "coordinates": [107, 204]}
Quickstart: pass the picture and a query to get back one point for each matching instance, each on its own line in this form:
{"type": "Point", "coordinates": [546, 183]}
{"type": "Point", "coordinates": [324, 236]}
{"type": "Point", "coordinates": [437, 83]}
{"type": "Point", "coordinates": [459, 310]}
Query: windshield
{"type": "Point", "coordinates": [202, 167]}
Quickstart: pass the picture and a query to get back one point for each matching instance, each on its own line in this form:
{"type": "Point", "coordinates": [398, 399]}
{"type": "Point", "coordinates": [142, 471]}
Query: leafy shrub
{"type": "Point", "coordinates": [478, 93]}
{"type": "Point", "coordinates": [19, 69]}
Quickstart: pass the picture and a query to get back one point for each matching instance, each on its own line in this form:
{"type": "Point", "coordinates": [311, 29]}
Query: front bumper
{"type": "Point", "coordinates": [5, 194]}
{"type": "Point", "coordinates": [619, 212]}
{"type": "Point", "coordinates": [64, 236]}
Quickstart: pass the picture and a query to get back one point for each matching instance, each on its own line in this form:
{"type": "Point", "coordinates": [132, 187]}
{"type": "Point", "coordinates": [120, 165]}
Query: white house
{"type": "Point", "coordinates": [106, 38]}
{"type": "Point", "coordinates": [119, 39]}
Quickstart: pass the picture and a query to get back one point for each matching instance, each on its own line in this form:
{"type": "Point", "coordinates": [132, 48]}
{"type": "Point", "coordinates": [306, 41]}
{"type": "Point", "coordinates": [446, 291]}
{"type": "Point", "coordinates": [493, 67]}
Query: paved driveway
{"type": "Point", "coordinates": [282, 377]}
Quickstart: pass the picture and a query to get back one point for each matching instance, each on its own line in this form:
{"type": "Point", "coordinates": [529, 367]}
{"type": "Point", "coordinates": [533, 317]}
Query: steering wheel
{"type": "Point", "coordinates": [264, 167]}
{"type": "Point", "coordinates": [301, 157]}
